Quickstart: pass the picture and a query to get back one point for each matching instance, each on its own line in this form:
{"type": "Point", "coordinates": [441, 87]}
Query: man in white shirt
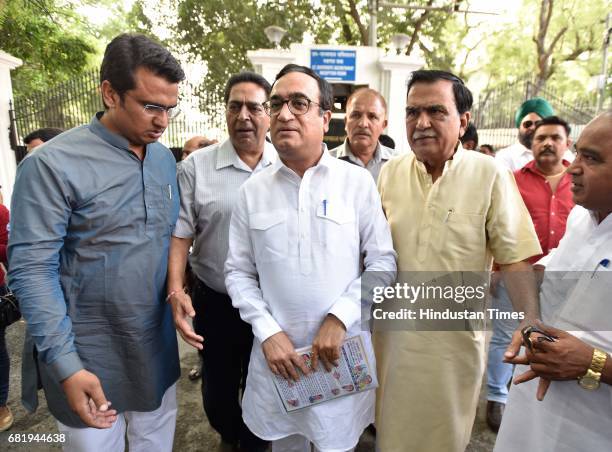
{"type": "Point", "coordinates": [365, 120]}
{"type": "Point", "coordinates": [209, 181]}
{"type": "Point", "coordinates": [565, 400]}
{"type": "Point", "coordinates": [519, 154]}
{"type": "Point", "coordinates": [299, 235]}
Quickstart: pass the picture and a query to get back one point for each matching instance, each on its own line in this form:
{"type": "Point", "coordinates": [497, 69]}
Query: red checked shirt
{"type": "Point", "coordinates": [548, 210]}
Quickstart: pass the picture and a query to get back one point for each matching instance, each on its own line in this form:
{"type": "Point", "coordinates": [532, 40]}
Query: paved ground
{"type": "Point", "coordinates": [193, 434]}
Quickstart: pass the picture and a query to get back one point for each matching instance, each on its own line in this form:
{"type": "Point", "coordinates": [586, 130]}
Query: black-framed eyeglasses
{"type": "Point", "coordinates": [527, 124]}
{"type": "Point", "coordinates": [298, 105]}
{"type": "Point", "coordinates": [254, 108]}
{"type": "Point", "coordinates": [158, 110]}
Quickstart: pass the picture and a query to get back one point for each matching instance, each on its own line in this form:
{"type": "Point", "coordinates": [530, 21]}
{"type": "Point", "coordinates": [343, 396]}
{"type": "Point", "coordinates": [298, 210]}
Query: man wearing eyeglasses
{"type": "Point", "coordinates": [299, 233]}
{"type": "Point", "coordinates": [209, 181]}
{"type": "Point", "coordinates": [91, 220]}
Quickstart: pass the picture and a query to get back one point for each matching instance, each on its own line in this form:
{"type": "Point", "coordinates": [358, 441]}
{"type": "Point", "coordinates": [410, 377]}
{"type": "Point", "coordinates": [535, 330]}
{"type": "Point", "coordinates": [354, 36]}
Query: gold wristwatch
{"type": "Point", "coordinates": [591, 379]}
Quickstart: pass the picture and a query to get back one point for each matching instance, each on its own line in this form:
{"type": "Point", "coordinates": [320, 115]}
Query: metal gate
{"type": "Point", "coordinates": [76, 101]}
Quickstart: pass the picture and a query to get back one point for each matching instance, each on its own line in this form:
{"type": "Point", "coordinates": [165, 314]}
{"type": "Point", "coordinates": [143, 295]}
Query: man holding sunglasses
{"type": "Point", "coordinates": [563, 401]}
{"type": "Point", "coordinates": [209, 181]}
{"type": "Point", "coordinates": [300, 233]}
{"type": "Point", "coordinates": [92, 215]}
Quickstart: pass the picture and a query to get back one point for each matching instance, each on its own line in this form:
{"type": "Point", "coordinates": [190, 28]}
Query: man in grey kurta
{"type": "Point", "coordinates": [92, 214]}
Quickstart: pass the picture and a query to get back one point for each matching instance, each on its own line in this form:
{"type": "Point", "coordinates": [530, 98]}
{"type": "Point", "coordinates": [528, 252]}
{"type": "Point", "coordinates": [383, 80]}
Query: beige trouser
{"type": "Point", "coordinates": [429, 387]}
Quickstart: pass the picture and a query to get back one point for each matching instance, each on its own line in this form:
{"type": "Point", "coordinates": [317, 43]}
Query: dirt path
{"type": "Point", "coordinates": [193, 434]}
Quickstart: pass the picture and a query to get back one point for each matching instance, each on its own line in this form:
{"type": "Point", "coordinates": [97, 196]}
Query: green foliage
{"type": "Point", "coordinates": [220, 32]}
{"type": "Point", "coordinates": [576, 56]}
{"type": "Point", "coordinates": [51, 40]}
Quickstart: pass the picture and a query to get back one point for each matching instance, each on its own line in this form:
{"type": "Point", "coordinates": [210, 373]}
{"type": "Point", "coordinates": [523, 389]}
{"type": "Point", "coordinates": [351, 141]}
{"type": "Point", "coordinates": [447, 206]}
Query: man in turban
{"type": "Point", "coordinates": [519, 154]}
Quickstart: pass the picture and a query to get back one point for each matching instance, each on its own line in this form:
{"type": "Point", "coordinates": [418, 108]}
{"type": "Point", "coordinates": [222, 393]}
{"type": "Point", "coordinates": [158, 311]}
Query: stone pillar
{"type": "Point", "coordinates": [395, 70]}
{"type": "Point", "coordinates": [7, 155]}
{"type": "Point", "coordinates": [269, 62]}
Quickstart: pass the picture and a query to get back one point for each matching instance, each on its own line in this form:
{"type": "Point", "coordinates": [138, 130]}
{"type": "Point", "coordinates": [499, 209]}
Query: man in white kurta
{"type": "Point", "coordinates": [298, 236]}
{"type": "Point", "coordinates": [574, 298]}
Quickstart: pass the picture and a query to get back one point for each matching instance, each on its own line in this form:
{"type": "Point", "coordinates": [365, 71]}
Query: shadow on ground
{"type": "Point", "coordinates": [193, 433]}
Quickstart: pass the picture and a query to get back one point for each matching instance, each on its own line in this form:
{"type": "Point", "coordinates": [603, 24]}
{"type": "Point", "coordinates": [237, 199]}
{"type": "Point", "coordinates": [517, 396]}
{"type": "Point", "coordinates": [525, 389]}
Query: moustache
{"type": "Point", "coordinates": [547, 150]}
{"type": "Point", "coordinates": [420, 135]}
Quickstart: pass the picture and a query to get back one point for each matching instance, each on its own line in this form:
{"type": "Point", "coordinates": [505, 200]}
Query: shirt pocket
{"type": "Point", "coordinates": [464, 234]}
{"type": "Point", "coordinates": [336, 230]}
{"type": "Point", "coordinates": [586, 308]}
{"type": "Point", "coordinates": [269, 235]}
{"type": "Point", "coordinates": [159, 207]}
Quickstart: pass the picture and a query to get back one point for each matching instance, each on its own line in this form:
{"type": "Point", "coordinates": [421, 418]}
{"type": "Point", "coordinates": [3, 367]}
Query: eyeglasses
{"type": "Point", "coordinates": [527, 124]}
{"type": "Point", "coordinates": [253, 107]}
{"type": "Point", "coordinates": [298, 105]}
{"type": "Point", "coordinates": [157, 110]}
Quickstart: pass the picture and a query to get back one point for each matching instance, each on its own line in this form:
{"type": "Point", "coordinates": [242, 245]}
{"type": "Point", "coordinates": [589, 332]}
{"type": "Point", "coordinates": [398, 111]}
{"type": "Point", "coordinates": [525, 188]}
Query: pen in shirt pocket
{"type": "Point", "coordinates": [604, 263]}
{"type": "Point", "coordinates": [170, 191]}
{"type": "Point", "coordinates": [448, 214]}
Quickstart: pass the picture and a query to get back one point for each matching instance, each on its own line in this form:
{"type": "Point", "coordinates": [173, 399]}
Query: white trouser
{"type": "Point", "coordinates": [299, 443]}
{"type": "Point", "coordinates": [147, 431]}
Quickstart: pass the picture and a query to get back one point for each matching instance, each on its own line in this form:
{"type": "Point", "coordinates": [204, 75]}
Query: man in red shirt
{"type": "Point", "coordinates": [545, 188]}
{"type": "Point", "coordinates": [544, 183]}
{"type": "Point", "coordinates": [6, 417]}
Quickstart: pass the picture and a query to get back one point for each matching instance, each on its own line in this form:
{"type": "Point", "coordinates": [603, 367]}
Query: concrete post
{"type": "Point", "coordinates": [7, 155]}
{"type": "Point", "coordinates": [395, 70]}
{"type": "Point", "coordinates": [269, 62]}
{"type": "Point", "coordinates": [385, 73]}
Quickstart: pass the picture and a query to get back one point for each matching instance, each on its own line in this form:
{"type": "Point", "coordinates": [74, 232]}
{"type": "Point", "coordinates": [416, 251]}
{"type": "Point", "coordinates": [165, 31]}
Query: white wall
{"type": "Point", "coordinates": [7, 155]}
{"type": "Point", "coordinates": [385, 73]}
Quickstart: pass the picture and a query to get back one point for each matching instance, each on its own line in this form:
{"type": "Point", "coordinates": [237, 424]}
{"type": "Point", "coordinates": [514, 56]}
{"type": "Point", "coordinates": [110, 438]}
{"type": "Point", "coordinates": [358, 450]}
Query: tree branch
{"type": "Point", "coordinates": [362, 29]}
{"type": "Point", "coordinates": [417, 28]}
{"type": "Point", "coordinates": [346, 28]}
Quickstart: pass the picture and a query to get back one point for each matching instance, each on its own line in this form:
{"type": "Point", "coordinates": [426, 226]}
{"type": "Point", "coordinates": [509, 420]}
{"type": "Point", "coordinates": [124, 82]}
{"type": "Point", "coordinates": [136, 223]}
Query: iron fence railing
{"type": "Point", "coordinates": [493, 114]}
{"type": "Point", "coordinates": [76, 101]}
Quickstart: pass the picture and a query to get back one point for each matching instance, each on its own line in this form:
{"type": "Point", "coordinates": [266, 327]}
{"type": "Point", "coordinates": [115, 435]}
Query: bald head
{"type": "Point", "coordinates": [195, 143]}
{"type": "Point", "coordinates": [367, 93]}
{"type": "Point", "coordinates": [592, 169]}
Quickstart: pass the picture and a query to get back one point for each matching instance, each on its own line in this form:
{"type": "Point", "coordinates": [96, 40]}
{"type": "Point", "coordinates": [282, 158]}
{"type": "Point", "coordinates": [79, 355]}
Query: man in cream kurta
{"type": "Point", "coordinates": [298, 234]}
{"type": "Point", "coordinates": [449, 210]}
{"type": "Point", "coordinates": [575, 299]}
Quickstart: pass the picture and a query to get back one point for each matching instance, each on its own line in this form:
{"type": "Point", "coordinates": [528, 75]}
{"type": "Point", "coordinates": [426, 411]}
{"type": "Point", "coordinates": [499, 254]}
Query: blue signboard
{"type": "Point", "coordinates": [334, 65]}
